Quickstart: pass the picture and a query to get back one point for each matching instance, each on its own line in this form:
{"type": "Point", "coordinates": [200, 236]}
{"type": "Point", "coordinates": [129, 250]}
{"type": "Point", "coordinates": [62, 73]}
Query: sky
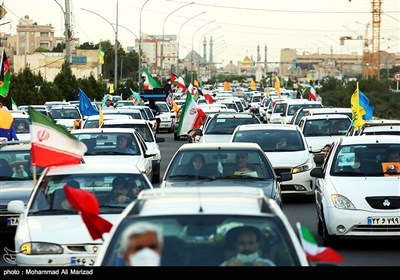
{"type": "Point", "coordinates": [236, 26]}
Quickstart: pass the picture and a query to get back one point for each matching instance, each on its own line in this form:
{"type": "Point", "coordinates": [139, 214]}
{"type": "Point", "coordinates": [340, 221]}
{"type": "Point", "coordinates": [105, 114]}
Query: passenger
{"type": "Point", "coordinates": [142, 245]}
{"type": "Point", "coordinates": [124, 143]}
{"type": "Point", "coordinates": [247, 248]}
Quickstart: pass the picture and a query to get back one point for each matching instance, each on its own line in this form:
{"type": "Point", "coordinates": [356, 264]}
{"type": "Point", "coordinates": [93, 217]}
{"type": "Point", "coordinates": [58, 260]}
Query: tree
{"type": "Point", "coordinates": [66, 83]}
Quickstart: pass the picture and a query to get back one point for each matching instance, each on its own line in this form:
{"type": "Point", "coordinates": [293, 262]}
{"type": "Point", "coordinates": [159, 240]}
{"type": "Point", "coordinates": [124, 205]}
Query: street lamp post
{"type": "Point", "coordinates": [116, 43]}
{"type": "Point", "coordinates": [140, 42]}
{"type": "Point", "coordinates": [194, 33]}
{"type": "Point", "coordinates": [179, 32]}
{"type": "Point", "coordinates": [67, 33]}
{"type": "Point", "coordinates": [162, 41]}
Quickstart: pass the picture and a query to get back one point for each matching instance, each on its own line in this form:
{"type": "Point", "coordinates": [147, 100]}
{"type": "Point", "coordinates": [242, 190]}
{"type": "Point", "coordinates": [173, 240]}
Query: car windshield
{"type": "Point", "coordinates": [21, 125]}
{"type": "Point", "coordinates": [220, 165]}
{"type": "Point", "coordinates": [270, 140]}
{"type": "Point", "coordinates": [376, 160]}
{"type": "Point", "coordinates": [219, 125]}
{"type": "Point", "coordinates": [65, 113]}
{"type": "Point", "coordinates": [17, 165]}
{"type": "Point", "coordinates": [106, 143]}
{"type": "Point", "coordinates": [112, 191]}
{"type": "Point", "coordinates": [326, 127]}
{"type": "Point", "coordinates": [208, 240]}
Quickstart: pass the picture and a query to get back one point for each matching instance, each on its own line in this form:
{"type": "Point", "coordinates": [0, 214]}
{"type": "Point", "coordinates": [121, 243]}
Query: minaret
{"type": "Point", "coordinates": [204, 50]}
{"type": "Point", "coordinates": [211, 50]}
{"type": "Point", "coordinates": [265, 59]}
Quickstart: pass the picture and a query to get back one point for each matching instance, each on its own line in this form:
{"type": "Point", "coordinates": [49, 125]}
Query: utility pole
{"type": "Point", "coordinates": [68, 33]}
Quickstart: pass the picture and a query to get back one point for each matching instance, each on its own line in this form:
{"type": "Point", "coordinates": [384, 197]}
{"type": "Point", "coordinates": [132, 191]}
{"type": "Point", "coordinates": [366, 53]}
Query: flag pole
{"type": "Point", "coordinates": [34, 174]}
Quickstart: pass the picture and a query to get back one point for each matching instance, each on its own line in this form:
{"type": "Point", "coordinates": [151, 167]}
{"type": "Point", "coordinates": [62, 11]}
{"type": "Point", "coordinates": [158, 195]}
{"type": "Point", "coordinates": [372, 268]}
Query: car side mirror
{"type": "Point", "coordinates": [317, 172]}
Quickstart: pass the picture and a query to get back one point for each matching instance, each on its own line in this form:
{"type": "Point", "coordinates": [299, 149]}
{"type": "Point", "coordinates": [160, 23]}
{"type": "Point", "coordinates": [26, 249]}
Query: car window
{"type": "Point", "coordinates": [221, 125]}
{"type": "Point", "coordinates": [208, 240]}
{"type": "Point", "coordinates": [17, 165]}
{"type": "Point", "coordinates": [221, 164]}
{"type": "Point", "coordinates": [106, 143]}
{"type": "Point", "coordinates": [268, 139]}
{"type": "Point", "coordinates": [50, 197]}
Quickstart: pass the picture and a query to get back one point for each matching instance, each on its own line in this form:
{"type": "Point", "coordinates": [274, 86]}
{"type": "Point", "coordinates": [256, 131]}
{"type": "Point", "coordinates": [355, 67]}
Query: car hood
{"type": "Point", "coordinates": [62, 229]}
{"type": "Point", "coordinates": [356, 189]}
{"type": "Point", "coordinates": [266, 185]}
{"type": "Point", "coordinates": [15, 190]}
{"type": "Point", "coordinates": [209, 138]}
{"type": "Point", "coordinates": [317, 143]}
{"type": "Point", "coordinates": [282, 159]}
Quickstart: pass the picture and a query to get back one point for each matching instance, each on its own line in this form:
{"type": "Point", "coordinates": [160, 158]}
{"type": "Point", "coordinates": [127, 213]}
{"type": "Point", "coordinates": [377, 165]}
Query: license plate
{"type": "Point", "coordinates": [82, 261]}
{"type": "Point", "coordinates": [12, 221]}
{"type": "Point", "coordinates": [383, 221]}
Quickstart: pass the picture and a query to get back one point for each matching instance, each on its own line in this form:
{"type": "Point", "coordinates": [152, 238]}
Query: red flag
{"type": "Point", "coordinates": [208, 98]}
{"type": "Point", "coordinates": [87, 205]}
{"type": "Point", "coordinates": [174, 77]}
{"type": "Point", "coordinates": [201, 116]}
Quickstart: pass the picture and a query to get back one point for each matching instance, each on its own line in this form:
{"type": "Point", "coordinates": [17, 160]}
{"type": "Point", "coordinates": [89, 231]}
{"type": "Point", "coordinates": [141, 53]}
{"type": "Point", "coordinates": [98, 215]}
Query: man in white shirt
{"type": "Point", "coordinates": [108, 105]}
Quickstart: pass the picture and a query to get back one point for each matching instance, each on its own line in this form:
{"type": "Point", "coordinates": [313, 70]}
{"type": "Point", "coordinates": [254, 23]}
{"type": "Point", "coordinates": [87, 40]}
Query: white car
{"type": "Point", "coordinates": [21, 125]}
{"type": "Point", "coordinates": [66, 115]}
{"type": "Point", "coordinates": [200, 225]}
{"type": "Point", "coordinates": [102, 147]}
{"type": "Point", "coordinates": [356, 194]}
{"type": "Point", "coordinates": [93, 121]}
{"type": "Point", "coordinates": [141, 126]}
{"type": "Point", "coordinates": [291, 156]}
{"type": "Point", "coordinates": [323, 129]}
{"type": "Point", "coordinates": [50, 232]}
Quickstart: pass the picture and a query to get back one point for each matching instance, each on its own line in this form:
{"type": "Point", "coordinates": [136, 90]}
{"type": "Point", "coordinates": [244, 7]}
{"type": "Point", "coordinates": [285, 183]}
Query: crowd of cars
{"type": "Point", "coordinates": [232, 173]}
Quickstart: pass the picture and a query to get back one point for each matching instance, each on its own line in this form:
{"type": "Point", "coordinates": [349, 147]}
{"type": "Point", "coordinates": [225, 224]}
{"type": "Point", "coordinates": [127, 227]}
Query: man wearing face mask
{"type": "Point", "coordinates": [247, 245]}
{"type": "Point", "coordinates": [143, 245]}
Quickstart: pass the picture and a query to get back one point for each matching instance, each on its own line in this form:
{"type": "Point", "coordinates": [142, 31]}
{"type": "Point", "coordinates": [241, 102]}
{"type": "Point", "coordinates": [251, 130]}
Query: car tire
{"type": "Point", "coordinates": [328, 240]}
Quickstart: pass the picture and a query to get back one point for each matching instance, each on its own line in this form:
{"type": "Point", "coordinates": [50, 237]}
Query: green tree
{"type": "Point", "coordinates": [66, 83]}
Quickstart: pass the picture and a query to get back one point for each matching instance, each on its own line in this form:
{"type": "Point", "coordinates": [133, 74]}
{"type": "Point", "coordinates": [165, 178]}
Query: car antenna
{"type": "Point", "coordinates": [199, 196]}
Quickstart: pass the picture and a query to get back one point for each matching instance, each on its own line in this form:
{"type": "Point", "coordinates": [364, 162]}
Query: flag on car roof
{"type": "Point", "coordinates": [360, 108]}
{"type": "Point", "coordinates": [150, 82]}
{"type": "Point", "coordinates": [5, 74]}
{"type": "Point", "coordinates": [52, 144]}
{"type": "Point", "coordinates": [14, 105]}
{"type": "Point", "coordinates": [136, 96]}
{"type": "Point", "coordinates": [313, 251]}
{"type": "Point", "coordinates": [86, 204]}
{"type": "Point", "coordinates": [188, 115]}
{"type": "Point", "coordinates": [277, 85]}
{"type": "Point", "coordinates": [85, 105]}
{"type": "Point", "coordinates": [312, 94]}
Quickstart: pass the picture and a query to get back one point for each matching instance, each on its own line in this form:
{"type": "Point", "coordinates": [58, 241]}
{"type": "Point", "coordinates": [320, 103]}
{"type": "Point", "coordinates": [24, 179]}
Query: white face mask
{"type": "Point", "coordinates": [145, 257]}
{"type": "Point", "coordinates": [247, 258]}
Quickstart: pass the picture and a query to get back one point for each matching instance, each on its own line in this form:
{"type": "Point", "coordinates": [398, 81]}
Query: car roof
{"type": "Point", "coordinates": [101, 130]}
{"type": "Point", "coordinates": [326, 116]}
{"type": "Point", "coordinates": [125, 121]}
{"type": "Point", "coordinates": [205, 200]}
{"type": "Point", "coordinates": [370, 139]}
{"type": "Point", "coordinates": [100, 168]}
{"type": "Point", "coordinates": [325, 110]}
{"type": "Point", "coordinates": [264, 126]}
{"type": "Point", "coordinates": [219, 146]}
{"type": "Point", "coordinates": [15, 145]}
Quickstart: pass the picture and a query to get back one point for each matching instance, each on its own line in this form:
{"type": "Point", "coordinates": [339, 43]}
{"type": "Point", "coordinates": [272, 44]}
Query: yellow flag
{"type": "Point", "coordinates": [227, 85]}
{"type": "Point", "coordinates": [175, 107]}
{"type": "Point", "coordinates": [277, 85]}
{"type": "Point", "coordinates": [196, 83]}
{"type": "Point", "coordinates": [101, 56]}
{"type": "Point", "coordinates": [101, 116]}
{"type": "Point", "coordinates": [111, 90]}
{"type": "Point", "coordinates": [356, 110]}
{"type": "Point", "coordinates": [253, 85]}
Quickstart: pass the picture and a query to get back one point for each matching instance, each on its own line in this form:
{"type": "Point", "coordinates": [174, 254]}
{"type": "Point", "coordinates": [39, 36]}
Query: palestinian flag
{"type": "Point", "coordinates": [5, 74]}
{"type": "Point", "coordinates": [52, 144]}
{"type": "Point", "coordinates": [313, 251]}
{"type": "Point", "coordinates": [150, 82]}
{"type": "Point", "coordinates": [188, 115]}
{"type": "Point", "coordinates": [174, 77]}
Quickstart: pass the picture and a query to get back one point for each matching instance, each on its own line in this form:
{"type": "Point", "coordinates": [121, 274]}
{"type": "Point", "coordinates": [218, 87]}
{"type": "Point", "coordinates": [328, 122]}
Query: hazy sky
{"type": "Point", "coordinates": [237, 26]}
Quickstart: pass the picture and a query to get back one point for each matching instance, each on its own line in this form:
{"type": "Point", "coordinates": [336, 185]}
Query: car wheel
{"type": "Point", "coordinates": [176, 137]}
{"type": "Point", "coordinates": [329, 240]}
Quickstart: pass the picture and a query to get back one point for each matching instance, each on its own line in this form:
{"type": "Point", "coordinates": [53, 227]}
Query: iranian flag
{"type": "Point", "coordinates": [188, 115]}
{"type": "Point", "coordinates": [52, 144]}
{"type": "Point", "coordinates": [181, 84]}
{"type": "Point", "coordinates": [313, 251]}
{"type": "Point", "coordinates": [150, 82]}
{"type": "Point", "coordinates": [313, 93]}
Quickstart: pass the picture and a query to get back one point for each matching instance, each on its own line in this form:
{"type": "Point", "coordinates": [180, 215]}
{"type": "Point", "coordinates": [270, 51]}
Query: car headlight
{"type": "Point", "coordinates": [342, 202]}
{"type": "Point", "coordinates": [304, 167]}
{"type": "Point", "coordinates": [40, 248]}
